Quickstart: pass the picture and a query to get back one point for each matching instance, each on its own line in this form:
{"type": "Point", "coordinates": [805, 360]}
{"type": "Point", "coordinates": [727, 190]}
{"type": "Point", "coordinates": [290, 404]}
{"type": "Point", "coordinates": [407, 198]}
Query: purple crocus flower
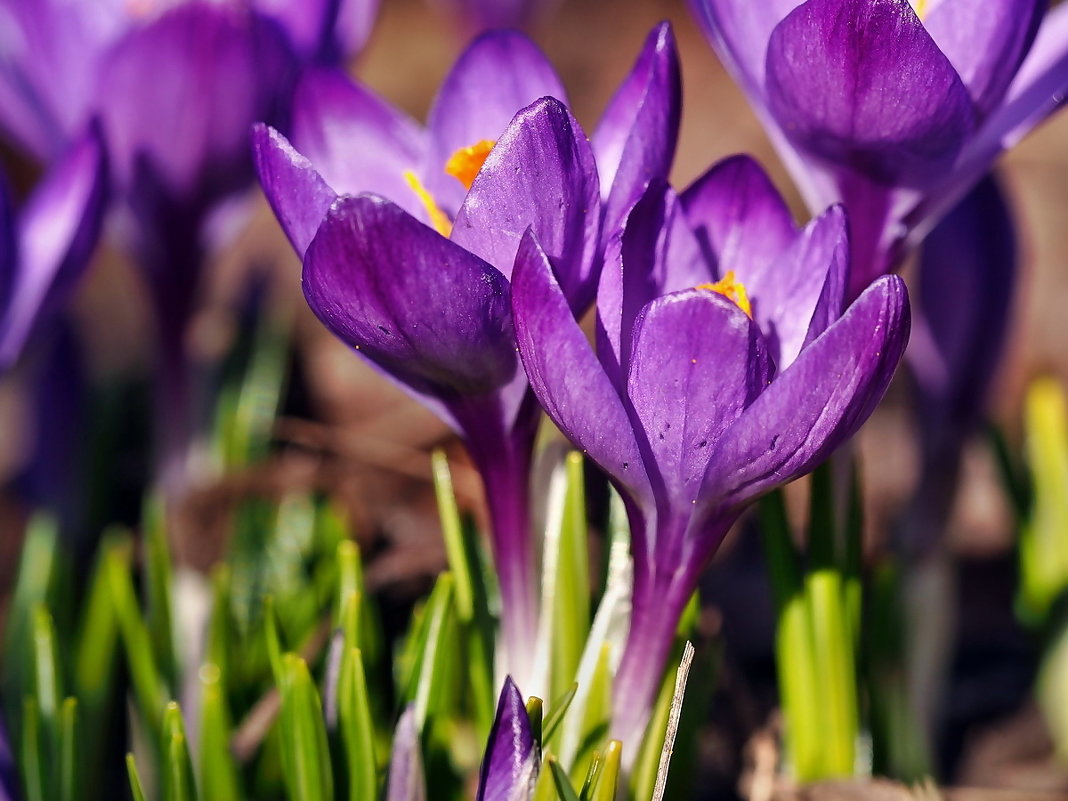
{"type": "Point", "coordinates": [407, 781]}
{"type": "Point", "coordinates": [512, 758]}
{"type": "Point", "coordinates": [894, 108]}
{"type": "Point", "coordinates": [726, 366]}
{"type": "Point", "coordinates": [966, 282]}
{"type": "Point", "coordinates": [465, 179]}
{"type": "Point", "coordinates": [46, 248]}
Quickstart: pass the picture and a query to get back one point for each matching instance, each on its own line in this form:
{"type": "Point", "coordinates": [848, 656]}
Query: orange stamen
{"type": "Point", "coordinates": [464, 164]}
{"type": "Point", "coordinates": [732, 289]}
{"type": "Point", "coordinates": [439, 219]}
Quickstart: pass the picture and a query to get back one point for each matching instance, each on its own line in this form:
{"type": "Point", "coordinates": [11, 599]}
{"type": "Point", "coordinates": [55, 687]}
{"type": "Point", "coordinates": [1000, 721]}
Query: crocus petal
{"type": "Point", "coordinates": [499, 74]}
{"type": "Point", "coordinates": [357, 141]}
{"type": "Point", "coordinates": [967, 278]}
{"type": "Point", "coordinates": [330, 30]}
{"type": "Point", "coordinates": [811, 273]}
{"type": "Point", "coordinates": [565, 374]}
{"type": "Point", "coordinates": [298, 195]}
{"type": "Point", "coordinates": [739, 217]}
{"type": "Point", "coordinates": [812, 407]}
{"type": "Point", "coordinates": [541, 175]}
{"type": "Point", "coordinates": [407, 781]}
{"type": "Point", "coordinates": [57, 232]}
{"type": "Point", "coordinates": [181, 93]}
{"type": "Point", "coordinates": [509, 765]}
{"type": "Point", "coordinates": [985, 42]}
{"type": "Point", "coordinates": [740, 29]}
{"type": "Point", "coordinates": [8, 247]}
{"type": "Point", "coordinates": [636, 137]}
{"type": "Point", "coordinates": [861, 84]}
{"type": "Point", "coordinates": [698, 362]}
{"type": "Point", "coordinates": [422, 309]}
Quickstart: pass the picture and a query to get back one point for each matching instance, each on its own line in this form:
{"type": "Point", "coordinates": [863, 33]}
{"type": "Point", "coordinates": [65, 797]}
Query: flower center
{"type": "Point", "coordinates": [464, 164]}
{"type": "Point", "coordinates": [439, 219]}
{"type": "Point", "coordinates": [732, 289]}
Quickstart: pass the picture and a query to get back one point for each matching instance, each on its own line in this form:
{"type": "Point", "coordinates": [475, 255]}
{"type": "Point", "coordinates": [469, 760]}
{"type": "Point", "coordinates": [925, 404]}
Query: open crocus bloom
{"type": "Point", "coordinates": [894, 108]}
{"type": "Point", "coordinates": [462, 192]}
{"type": "Point", "coordinates": [46, 249]}
{"type": "Point", "coordinates": [725, 367]}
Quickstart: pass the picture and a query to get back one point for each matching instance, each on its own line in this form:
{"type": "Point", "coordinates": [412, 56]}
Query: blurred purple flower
{"type": "Point", "coordinates": [726, 366]}
{"type": "Point", "coordinates": [407, 781]}
{"type": "Point", "coordinates": [454, 349]}
{"type": "Point", "coordinates": [894, 110]}
{"type": "Point", "coordinates": [46, 248]}
{"type": "Point", "coordinates": [512, 758]}
{"type": "Point", "coordinates": [966, 288]}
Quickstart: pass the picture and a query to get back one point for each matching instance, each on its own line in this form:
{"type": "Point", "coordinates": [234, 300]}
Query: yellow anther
{"type": "Point", "coordinates": [439, 219]}
{"type": "Point", "coordinates": [464, 164]}
{"type": "Point", "coordinates": [732, 289]}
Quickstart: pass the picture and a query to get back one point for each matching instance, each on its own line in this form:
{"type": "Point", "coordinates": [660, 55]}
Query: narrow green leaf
{"type": "Point", "coordinates": [99, 633]}
{"type": "Point", "coordinates": [220, 628]}
{"type": "Point", "coordinates": [557, 710]}
{"type": "Point", "coordinates": [46, 682]}
{"type": "Point", "coordinates": [604, 787]}
{"type": "Point", "coordinates": [274, 641]}
{"type": "Point", "coordinates": [176, 775]}
{"type": "Point", "coordinates": [34, 779]}
{"type": "Point", "coordinates": [571, 604]}
{"type": "Point", "coordinates": [159, 593]}
{"type": "Point", "coordinates": [68, 751]}
{"type": "Point", "coordinates": [305, 753]}
{"type": "Point", "coordinates": [563, 783]}
{"type": "Point", "coordinates": [136, 789]}
{"type": "Point", "coordinates": [431, 657]}
{"type": "Point", "coordinates": [545, 787]}
{"type": "Point", "coordinates": [534, 715]}
{"type": "Point", "coordinates": [357, 727]}
{"type": "Point", "coordinates": [596, 715]}
{"type": "Point", "coordinates": [217, 769]}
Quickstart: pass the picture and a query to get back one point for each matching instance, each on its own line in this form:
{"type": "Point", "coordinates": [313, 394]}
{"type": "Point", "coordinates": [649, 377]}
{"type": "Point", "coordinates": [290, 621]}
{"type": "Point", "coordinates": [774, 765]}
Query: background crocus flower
{"type": "Point", "coordinates": [46, 248]}
{"type": "Point", "coordinates": [894, 110]}
{"type": "Point", "coordinates": [725, 367]}
{"type": "Point", "coordinates": [512, 758]}
{"type": "Point", "coordinates": [433, 312]}
{"type": "Point", "coordinates": [407, 781]}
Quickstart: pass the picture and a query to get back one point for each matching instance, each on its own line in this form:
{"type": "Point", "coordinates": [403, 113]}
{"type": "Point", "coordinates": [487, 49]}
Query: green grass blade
{"type": "Point", "coordinates": [563, 784]}
{"type": "Point", "coordinates": [357, 727]}
{"type": "Point", "coordinates": [431, 659]}
{"type": "Point", "coordinates": [217, 769]}
{"type": "Point", "coordinates": [305, 753]}
{"type": "Point", "coordinates": [32, 760]}
{"type": "Point", "coordinates": [68, 751]}
{"type": "Point", "coordinates": [557, 710]}
{"type": "Point", "coordinates": [136, 789]}
{"type": "Point", "coordinates": [159, 592]}
{"type": "Point", "coordinates": [176, 774]}
{"type": "Point", "coordinates": [47, 690]}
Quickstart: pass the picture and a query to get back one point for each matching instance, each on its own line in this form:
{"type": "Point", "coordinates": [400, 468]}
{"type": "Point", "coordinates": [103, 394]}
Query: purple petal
{"type": "Point", "coordinates": [861, 84]}
{"type": "Point", "coordinates": [331, 30]}
{"type": "Point", "coordinates": [297, 193]}
{"type": "Point", "coordinates": [698, 362]}
{"type": "Point", "coordinates": [179, 96]}
{"type": "Point", "coordinates": [357, 141]}
{"type": "Point", "coordinates": [967, 284]}
{"type": "Point", "coordinates": [57, 232]}
{"type": "Point", "coordinates": [566, 376]}
{"type": "Point", "coordinates": [740, 218]}
{"type": "Point", "coordinates": [407, 781]}
{"type": "Point", "coordinates": [985, 42]}
{"type": "Point", "coordinates": [510, 764]}
{"type": "Point", "coordinates": [804, 291]}
{"type": "Point", "coordinates": [541, 176]}
{"type": "Point", "coordinates": [814, 406]}
{"type": "Point", "coordinates": [499, 74]}
{"type": "Point", "coordinates": [654, 254]}
{"type": "Point", "coordinates": [636, 137]}
{"type": "Point", "coordinates": [8, 772]}
{"type": "Point", "coordinates": [422, 309]}
{"type": "Point", "coordinates": [8, 246]}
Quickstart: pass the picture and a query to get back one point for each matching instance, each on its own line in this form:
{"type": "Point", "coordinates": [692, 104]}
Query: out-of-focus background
{"type": "Point", "coordinates": [349, 431]}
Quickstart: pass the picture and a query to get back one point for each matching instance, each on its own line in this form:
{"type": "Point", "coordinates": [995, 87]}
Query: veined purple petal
{"type": "Point", "coordinates": [739, 217]}
{"type": "Point", "coordinates": [407, 782]}
{"type": "Point", "coordinates": [812, 407]}
{"type": "Point", "coordinates": [861, 84]}
{"type": "Point", "coordinates": [357, 142]}
{"type": "Point", "coordinates": [178, 96]}
{"type": "Point", "coordinates": [298, 195]}
{"type": "Point", "coordinates": [510, 763]}
{"type": "Point", "coordinates": [57, 232]}
{"type": "Point", "coordinates": [541, 175]}
{"type": "Point", "coordinates": [566, 376]}
{"type": "Point", "coordinates": [698, 362]}
{"type": "Point", "coordinates": [421, 308]}
{"type": "Point", "coordinates": [499, 74]}
{"type": "Point", "coordinates": [804, 290]}
{"type": "Point", "coordinates": [635, 140]}
{"type": "Point", "coordinates": [985, 42]}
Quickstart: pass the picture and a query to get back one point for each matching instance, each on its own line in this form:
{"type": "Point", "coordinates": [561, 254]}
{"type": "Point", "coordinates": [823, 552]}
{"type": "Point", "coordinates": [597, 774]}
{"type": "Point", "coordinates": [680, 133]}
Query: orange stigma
{"type": "Point", "coordinates": [732, 289]}
{"type": "Point", "coordinates": [464, 164]}
{"type": "Point", "coordinates": [439, 219]}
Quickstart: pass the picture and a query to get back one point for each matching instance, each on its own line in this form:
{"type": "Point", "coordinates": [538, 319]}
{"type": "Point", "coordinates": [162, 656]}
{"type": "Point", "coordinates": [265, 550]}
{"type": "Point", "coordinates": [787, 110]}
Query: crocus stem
{"type": "Point", "coordinates": [655, 613]}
